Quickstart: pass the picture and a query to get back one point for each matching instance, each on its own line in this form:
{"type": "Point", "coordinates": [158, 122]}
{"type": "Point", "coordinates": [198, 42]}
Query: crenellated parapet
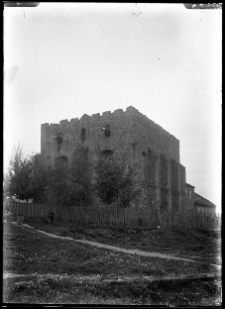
{"type": "Point", "coordinates": [147, 147]}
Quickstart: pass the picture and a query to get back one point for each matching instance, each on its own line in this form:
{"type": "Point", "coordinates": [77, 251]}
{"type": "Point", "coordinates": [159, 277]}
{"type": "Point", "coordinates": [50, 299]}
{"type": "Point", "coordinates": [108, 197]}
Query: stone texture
{"type": "Point", "coordinates": [147, 147]}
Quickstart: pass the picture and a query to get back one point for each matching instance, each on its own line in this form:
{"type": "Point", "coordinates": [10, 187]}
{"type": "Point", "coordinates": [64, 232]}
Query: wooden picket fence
{"type": "Point", "coordinates": [191, 219]}
{"type": "Point", "coordinates": [126, 217]}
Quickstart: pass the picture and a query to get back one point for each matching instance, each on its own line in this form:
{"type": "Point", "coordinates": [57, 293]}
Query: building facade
{"type": "Point", "coordinates": [204, 205]}
{"type": "Point", "coordinates": [153, 153]}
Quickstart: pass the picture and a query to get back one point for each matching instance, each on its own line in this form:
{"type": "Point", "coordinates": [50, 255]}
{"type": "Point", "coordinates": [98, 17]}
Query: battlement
{"type": "Point", "coordinates": [130, 111]}
{"type": "Point", "coordinates": [74, 121]}
{"type": "Point", "coordinates": [148, 148]}
{"type": "Point", "coordinates": [138, 128]}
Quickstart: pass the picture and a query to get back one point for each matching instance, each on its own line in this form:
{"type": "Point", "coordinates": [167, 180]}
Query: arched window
{"type": "Point", "coordinates": [107, 154]}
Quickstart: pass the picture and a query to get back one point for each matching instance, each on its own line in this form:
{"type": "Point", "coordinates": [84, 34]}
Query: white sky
{"type": "Point", "coordinates": [65, 59]}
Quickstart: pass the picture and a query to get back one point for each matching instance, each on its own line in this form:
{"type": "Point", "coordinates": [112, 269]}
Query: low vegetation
{"type": "Point", "coordinates": [27, 178]}
{"type": "Point", "coordinates": [203, 245]}
{"type": "Point", "coordinates": [28, 252]}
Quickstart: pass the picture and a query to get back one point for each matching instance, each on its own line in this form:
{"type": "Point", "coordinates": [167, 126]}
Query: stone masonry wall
{"type": "Point", "coordinates": [120, 127]}
{"type": "Point", "coordinates": [165, 183]}
{"type": "Point", "coordinates": [175, 185]}
{"type": "Point", "coordinates": [148, 148]}
{"type": "Point", "coordinates": [149, 134]}
{"type": "Point", "coordinates": [182, 184]}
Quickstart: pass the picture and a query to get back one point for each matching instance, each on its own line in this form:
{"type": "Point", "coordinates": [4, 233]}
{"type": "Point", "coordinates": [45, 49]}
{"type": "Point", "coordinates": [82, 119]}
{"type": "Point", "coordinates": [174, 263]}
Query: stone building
{"type": "Point", "coordinates": [148, 148]}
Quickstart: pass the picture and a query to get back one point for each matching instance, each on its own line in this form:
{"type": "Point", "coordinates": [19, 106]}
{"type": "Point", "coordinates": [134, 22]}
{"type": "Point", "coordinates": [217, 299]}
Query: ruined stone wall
{"type": "Point", "coordinates": [127, 128]}
{"type": "Point", "coordinates": [148, 148]}
{"type": "Point", "coordinates": [182, 184]}
{"type": "Point", "coordinates": [150, 135]}
{"type": "Point", "coordinates": [165, 182]}
{"type": "Point", "coordinates": [93, 137]}
{"type": "Point", "coordinates": [175, 185]}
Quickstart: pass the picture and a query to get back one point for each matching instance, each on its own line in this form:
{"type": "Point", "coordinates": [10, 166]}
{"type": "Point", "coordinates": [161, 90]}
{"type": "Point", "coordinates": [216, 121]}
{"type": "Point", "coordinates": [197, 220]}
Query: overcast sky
{"type": "Point", "coordinates": [65, 60]}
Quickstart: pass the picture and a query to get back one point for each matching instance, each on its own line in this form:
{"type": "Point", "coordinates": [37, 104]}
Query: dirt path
{"type": "Point", "coordinates": [118, 249]}
{"type": "Point", "coordinates": [101, 279]}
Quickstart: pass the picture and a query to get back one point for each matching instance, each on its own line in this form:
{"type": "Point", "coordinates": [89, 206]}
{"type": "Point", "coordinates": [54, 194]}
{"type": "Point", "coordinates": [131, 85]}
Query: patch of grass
{"type": "Point", "coordinates": [31, 251]}
{"type": "Point", "coordinates": [163, 293]}
{"type": "Point", "coordinates": [203, 245]}
{"type": "Point", "coordinates": [64, 290]}
{"type": "Point", "coordinates": [27, 251]}
{"type": "Point", "coordinates": [43, 291]}
{"type": "Point", "coordinates": [51, 291]}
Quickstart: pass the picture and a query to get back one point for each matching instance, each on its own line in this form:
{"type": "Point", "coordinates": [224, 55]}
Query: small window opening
{"type": "Point", "coordinates": [144, 154]}
{"type": "Point", "coordinates": [189, 194]}
{"type": "Point", "coordinates": [107, 154]}
{"type": "Point", "coordinates": [106, 130]}
{"type": "Point", "coordinates": [186, 193]}
{"type": "Point", "coordinates": [83, 134]}
{"type": "Point", "coordinates": [59, 138]}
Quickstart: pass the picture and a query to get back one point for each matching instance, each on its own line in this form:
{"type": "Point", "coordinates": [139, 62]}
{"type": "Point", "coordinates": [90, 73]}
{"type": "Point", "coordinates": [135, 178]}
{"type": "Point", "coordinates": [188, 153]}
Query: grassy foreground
{"type": "Point", "coordinates": [28, 252]}
{"type": "Point", "coordinates": [204, 246]}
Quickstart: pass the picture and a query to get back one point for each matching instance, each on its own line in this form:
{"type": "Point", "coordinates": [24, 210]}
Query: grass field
{"type": "Point", "coordinates": [201, 245]}
{"type": "Point", "coordinates": [30, 253]}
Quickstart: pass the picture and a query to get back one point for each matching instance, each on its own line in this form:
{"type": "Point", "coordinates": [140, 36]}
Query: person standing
{"type": "Point", "coordinates": [51, 216]}
{"type": "Point", "coordinates": [20, 219]}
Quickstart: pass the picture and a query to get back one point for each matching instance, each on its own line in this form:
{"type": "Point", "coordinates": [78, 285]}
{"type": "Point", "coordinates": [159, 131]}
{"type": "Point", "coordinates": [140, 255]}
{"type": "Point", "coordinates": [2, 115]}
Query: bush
{"type": "Point", "coordinates": [115, 183]}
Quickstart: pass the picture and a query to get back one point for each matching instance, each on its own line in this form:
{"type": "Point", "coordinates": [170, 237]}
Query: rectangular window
{"type": "Point", "coordinates": [189, 194]}
{"type": "Point", "coordinates": [186, 193]}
